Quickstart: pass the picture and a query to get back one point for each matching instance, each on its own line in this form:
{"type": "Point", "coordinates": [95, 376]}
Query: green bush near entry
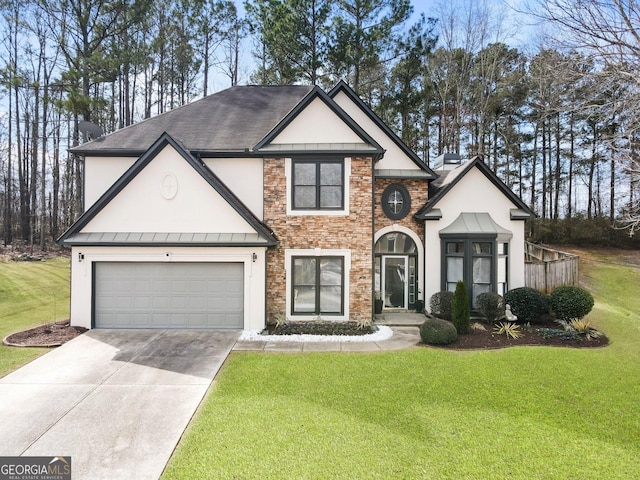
{"type": "Point", "coordinates": [527, 303]}
{"type": "Point", "coordinates": [491, 306]}
{"type": "Point", "coordinates": [440, 305]}
{"type": "Point", "coordinates": [435, 331]}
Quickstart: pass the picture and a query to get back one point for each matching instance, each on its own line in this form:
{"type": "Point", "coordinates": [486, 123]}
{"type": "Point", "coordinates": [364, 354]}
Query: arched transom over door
{"type": "Point", "coordinates": [396, 272]}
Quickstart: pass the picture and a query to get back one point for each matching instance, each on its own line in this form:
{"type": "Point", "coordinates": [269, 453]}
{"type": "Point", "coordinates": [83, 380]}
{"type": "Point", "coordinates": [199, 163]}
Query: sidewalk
{"type": "Point", "coordinates": [403, 337]}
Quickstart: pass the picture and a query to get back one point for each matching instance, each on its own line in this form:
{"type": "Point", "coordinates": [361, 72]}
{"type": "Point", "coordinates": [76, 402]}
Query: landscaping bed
{"type": "Point", "coordinates": [320, 328]}
{"type": "Point", "coordinates": [49, 335]}
{"type": "Point", "coordinates": [530, 335]}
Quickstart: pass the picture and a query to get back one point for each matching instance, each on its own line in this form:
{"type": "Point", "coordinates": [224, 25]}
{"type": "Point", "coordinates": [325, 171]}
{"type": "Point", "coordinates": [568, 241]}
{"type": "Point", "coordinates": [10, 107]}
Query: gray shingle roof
{"type": "Point", "coordinates": [230, 121]}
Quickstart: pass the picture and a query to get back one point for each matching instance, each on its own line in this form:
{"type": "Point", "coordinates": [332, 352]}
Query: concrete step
{"type": "Point", "coordinates": [400, 319]}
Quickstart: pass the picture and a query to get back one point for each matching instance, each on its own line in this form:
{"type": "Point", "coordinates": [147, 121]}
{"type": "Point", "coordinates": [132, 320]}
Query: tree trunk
{"type": "Point", "coordinates": [572, 143]}
{"type": "Point", "coordinates": [558, 170]}
{"type": "Point", "coordinates": [534, 161]}
{"type": "Point", "coordinates": [544, 168]}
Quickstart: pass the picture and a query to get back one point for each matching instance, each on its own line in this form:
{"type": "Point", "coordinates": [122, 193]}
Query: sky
{"type": "Point", "coordinates": [518, 30]}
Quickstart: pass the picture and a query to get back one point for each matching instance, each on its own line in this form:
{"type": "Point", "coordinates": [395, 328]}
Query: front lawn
{"type": "Point", "coordinates": [31, 294]}
{"type": "Point", "coordinates": [522, 412]}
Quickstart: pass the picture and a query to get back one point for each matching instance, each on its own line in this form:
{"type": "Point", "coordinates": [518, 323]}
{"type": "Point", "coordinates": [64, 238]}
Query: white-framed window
{"type": "Point", "coordinates": [318, 185]}
{"type": "Point", "coordinates": [317, 282]}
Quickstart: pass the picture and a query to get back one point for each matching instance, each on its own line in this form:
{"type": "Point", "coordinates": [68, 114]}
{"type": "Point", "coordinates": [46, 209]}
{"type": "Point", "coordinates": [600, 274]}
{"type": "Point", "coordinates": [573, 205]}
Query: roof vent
{"type": "Point", "coordinates": [447, 161]}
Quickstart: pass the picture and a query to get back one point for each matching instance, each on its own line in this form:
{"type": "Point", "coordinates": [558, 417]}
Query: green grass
{"type": "Point", "coordinates": [31, 294]}
{"type": "Point", "coordinates": [528, 412]}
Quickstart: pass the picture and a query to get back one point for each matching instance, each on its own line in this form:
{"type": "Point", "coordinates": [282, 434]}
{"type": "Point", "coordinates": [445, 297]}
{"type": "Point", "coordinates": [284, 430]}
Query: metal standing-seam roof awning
{"type": "Point", "coordinates": [476, 224]}
{"type": "Point", "coordinates": [166, 238]}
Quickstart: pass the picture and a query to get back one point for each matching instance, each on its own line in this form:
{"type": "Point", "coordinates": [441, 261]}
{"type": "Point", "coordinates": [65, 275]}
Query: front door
{"type": "Point", "coordinates": [395, 288]}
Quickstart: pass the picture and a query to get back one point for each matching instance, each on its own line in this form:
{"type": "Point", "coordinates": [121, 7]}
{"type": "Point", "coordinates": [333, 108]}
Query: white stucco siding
{"type": "Point", "coordinates": [100, 173]}
{"type": "Point", "coordinates": [83, 259]}
{"type": "Point", "coordinates": [317, 123]}
{"type": "Point", "coordinates": [244, 176]}
{"type": "Point", "coordinates": [144, 205]}
{"type": "Point", "coordinates": [394, 157]}
{"type": "Point", "coordinates": [473, 194]}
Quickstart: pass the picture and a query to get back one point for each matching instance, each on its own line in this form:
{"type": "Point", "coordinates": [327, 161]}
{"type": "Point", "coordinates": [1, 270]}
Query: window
{"type": "Point", "coordinates": [482, 258]}
{"type": "Point", "coordinates": [317, 285]}
{"type": "Point", "coordinates": [454, 264]}
{"type": "Point", "coordinates": [503, 267]}
{"type": "Point", "coordinates": [473, 260]}
{"type": "Point", "coordinates": [396, 201]}
{"type": "Point", "coordinates": [318, 184]}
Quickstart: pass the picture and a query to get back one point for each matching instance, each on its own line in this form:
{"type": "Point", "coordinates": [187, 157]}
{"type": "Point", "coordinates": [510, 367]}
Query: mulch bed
{"type": "Point", "coordinates": [320, 328]}
{"type": "Point", "coordinates": [55, 334]}
{"type": "Point", "coordinates": [49, 335]}
{"type": "Point", "coordinates": [489, 339]}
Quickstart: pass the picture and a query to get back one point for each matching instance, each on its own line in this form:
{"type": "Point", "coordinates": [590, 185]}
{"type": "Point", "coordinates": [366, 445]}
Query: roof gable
{"type": "Point", "coordinates": [298, 132]}
{"type": "Point", "coordinates": [445, 184]}
{"type": "Point", "coordinates": [342, 87]}
{"type": "Point", "coordinates": [224, 207]}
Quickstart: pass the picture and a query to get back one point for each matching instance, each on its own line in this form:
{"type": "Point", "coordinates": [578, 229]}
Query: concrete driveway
{"type": "Point", "coordinates": [116, 401]}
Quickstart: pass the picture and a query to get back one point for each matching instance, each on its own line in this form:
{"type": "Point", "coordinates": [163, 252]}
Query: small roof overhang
{"type": "Point", "coordinates": [469, 224]}
{"type": "Point", "coordinates": [520, 214]}
{"type": "Point", "coordinates": [433, 214]}
{"type": "Point", "coordinates": [150, 239]}
{"type": "Point", "coordinates": [402, 173]}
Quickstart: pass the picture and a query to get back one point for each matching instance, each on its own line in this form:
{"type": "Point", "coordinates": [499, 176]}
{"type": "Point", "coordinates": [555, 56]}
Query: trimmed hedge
{"type": "Point", "coordinates": [440, 305]}
{"type": "Point", "coordinates": [435, 331]}
{"type": "Point", "coordinates": [527, 303]}
{"type": "Point", "coordinates": [570, 302]}
{"type": "Point", "coordinates": [491, 306]}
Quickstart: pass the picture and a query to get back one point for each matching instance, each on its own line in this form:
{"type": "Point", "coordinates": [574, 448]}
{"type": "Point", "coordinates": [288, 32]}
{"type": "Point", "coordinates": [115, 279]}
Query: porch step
{"type": "Point", "coordinates": [400, 319]}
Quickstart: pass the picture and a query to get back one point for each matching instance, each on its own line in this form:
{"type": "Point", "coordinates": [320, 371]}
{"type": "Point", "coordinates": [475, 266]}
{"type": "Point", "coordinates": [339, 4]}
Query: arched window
{"type": "Point", "coordinates": [396, 243]}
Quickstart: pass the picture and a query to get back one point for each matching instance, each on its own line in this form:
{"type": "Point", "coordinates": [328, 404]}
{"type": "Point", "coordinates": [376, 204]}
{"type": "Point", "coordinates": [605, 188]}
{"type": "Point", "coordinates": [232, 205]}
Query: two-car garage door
{"type": "Point", "coordinates": [168, 295]}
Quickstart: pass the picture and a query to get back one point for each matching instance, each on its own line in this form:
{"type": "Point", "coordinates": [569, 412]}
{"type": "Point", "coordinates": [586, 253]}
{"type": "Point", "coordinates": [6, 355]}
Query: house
{"type": "Point", "coordinates": [260, 202]}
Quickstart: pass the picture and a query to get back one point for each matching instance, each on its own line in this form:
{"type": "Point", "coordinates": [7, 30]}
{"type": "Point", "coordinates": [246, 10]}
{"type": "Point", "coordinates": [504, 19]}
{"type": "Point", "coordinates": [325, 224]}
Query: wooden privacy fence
{"type": "Point", "coordinates": [546, 269]}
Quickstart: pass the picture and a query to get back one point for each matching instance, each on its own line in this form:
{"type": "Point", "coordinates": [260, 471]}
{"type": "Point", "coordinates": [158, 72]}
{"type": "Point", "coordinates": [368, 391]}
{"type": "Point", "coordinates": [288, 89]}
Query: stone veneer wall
{"type": "Point", "coordinates": [331, 232]}
{"type": "Point", "coordinates": [419, 192]}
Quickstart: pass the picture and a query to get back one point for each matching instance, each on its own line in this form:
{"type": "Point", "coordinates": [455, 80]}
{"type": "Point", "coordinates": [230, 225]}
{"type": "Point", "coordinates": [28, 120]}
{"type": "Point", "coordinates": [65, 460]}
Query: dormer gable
{"type": "Point", "coordinates": [399, 160]}
{"type": "Point", "coordinates": [449, 179]}
{"type": "Point", "coordinates": [318, 125]}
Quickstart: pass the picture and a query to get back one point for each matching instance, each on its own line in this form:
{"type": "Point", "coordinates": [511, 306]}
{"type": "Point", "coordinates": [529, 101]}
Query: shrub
{"type": "Point", "coordinates": [460, 314]}
{"type": "Point", "coordinates": [527, 303]}
{"type": "Point", "coordinates": [570, 302]}
{"type": "Point", "coordinates": [440, 305]}
{"type": "Point", "coordinates": [435, 331]}
{"type": "Point", "coordinates": [491, 306]}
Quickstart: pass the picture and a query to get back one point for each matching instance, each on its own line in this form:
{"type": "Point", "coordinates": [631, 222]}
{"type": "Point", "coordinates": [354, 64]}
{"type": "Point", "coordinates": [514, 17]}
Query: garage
{"type": "Point", "coordinates": [168, 295]}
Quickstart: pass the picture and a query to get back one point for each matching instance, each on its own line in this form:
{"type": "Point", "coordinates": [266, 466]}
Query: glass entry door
{"type": "Point", "coordinates": [395, 288]}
